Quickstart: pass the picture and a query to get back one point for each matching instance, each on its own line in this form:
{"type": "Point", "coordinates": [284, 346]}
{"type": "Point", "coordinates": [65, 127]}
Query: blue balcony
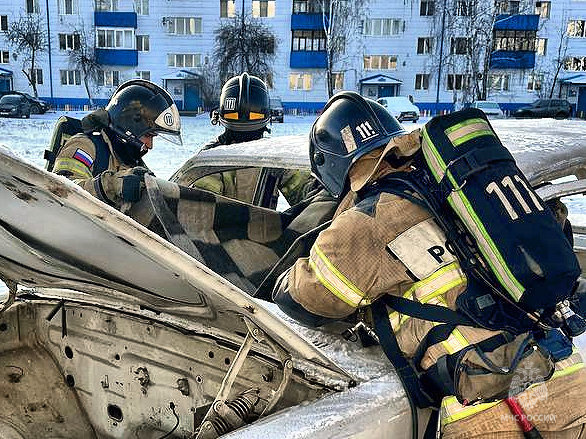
{"type": "Point", "coordinates": [117, 57]}
{"type": "Point", "coordinates": [115, 19]}
{"type": "Point", "coordinates": [307, 22]}
{"type": "Point", "coordinates": [308, 60]}
{"type": "Point", "coordinates": [512, 59]}
{"type": "Point", "coordinates": [516, 22]}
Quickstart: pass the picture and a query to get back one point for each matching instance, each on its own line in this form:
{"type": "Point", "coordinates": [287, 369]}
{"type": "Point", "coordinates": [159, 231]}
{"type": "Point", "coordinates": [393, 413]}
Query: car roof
{"type": "Point", "coordinates": [292, 152]}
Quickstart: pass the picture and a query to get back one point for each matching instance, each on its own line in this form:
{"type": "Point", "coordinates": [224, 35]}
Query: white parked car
{"type": "Point", "coordinates": [400, 107]}
{"type": "Point", "coordinates": [490, 108]}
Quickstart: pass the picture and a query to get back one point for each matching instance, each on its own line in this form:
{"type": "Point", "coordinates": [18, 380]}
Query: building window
{"type": "Point", "coordinates": [143, 74]}
{"type": "Point", "coordinates": [36, 76]}
{"type": "Point", "coordinates": [307, 6]}
{"type": "Point", "coordinates": [183, 25]}
{"type": "Point", "coordinates": [3, 22]}
{"type": "Point", "coordinates": [143, 43]}
{"type": "Point", "coordinates": [300, 81]}
{"type": "Point", "coordinates": [577, 28]}
{"type": "Point", "coordinates": [463, 8]}
{"type": "Point", "coordinates": [268, 45]}
{"type": "Point", "coordinates": [184, 59]}
{"type": "Point", "coordinates": [543, 9]}
{"type": "Point", "coordinates": [422, 81]}
{"type": "Point", "coordinates": [70, 77]}
{"type": "Point", "coordinates": [263, 8]}
{"type": "Point", "coordinates": [575, 63]}
{"type": "Point", "coordinates": [380, 62]}
{"type": "Point", "coordinates": [460, 46]}
{"type": "Point", "coordinates": [227, 9]}
{"type": "Point", "coordinates": [541, 46]}
{"type": "Point", "coordinates": [381, 27]}
{"type": "Point", "coordinates": [115, 38]}
{"type": "Point", "coordinates": [69, 42]}
{"type": "Point", "coordinates": [68, 7]}
{"type": "Point", "coordinates": [427, 8]}
{"type": "Point", "coordinates": [4, 57]}
{"type": "Point", "coordinates": [424, 45]}
{"type": "Point", "coordinates": [32, 6]}
{"type": "Point", "coordinates": [498, 82]}
{"type": "Point", "coordinates": [514, 40]}
{"type": "Point", "coordinates": [106, 5]}
{"type": "Point", "coordinates": [338, 80]}
{"type": "Point", "coordinates": [457, 82]}
{"type": "Point", "coordinates": [308, 40]}
{"type": "Point", "coordinates": [141, 7]}
{"type": "Point", "coordinates": [535, 80]}
{"type": "Point", "coordinates": [108, 78]}
{"type": "Point", "coordinates": [506, 7]}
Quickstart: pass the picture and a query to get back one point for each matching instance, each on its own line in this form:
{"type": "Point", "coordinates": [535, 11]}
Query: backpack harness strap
{"type": "Point", "coordinates": [102, 161]}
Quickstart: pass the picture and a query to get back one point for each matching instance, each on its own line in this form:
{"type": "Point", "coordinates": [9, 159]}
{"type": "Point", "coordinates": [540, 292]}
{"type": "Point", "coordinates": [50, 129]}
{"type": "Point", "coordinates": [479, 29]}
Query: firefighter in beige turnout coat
{"type": "Point", "coordinates": [379, 246]}
{"type": "Point", "coordinates": [106, 160]}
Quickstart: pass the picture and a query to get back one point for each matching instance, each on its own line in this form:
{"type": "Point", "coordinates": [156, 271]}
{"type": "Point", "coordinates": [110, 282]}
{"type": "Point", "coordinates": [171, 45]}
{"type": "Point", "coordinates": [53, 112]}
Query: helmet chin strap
{"type": "Point", "coordinates": [137, 147]}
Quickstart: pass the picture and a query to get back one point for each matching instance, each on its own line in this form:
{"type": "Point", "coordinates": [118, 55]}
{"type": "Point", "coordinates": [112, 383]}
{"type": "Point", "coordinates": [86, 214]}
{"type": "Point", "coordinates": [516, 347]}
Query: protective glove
{"type": "Point", "coordinates": [123, 186]}
{"type": "Point", "coordinates": [95, 121]}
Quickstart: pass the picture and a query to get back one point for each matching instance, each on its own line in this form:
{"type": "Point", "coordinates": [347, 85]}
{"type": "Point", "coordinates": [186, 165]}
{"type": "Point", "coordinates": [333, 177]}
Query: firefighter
{"type": "Point", "coordinates": [379, 244]}
{"type": "Point", "coordinates": [106, 160]}
{"type": "Point", "coordinates": [244, 113]}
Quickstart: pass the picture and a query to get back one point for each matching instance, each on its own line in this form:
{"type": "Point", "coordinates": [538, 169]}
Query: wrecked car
{"type": "Point", "coordinates": [146, 328]}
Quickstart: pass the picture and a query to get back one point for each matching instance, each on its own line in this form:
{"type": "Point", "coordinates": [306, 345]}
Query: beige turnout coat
{"type": "Point", "coordinates": [385, 244]}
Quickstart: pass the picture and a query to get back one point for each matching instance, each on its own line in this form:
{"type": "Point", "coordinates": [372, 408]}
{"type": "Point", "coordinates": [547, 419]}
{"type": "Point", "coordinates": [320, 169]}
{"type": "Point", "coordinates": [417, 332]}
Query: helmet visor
{"type": "Point", "coordinates": [174, 138]}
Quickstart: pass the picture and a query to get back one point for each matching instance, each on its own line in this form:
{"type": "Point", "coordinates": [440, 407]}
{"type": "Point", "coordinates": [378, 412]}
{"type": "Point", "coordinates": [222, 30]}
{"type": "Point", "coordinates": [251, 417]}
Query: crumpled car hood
{"type": "Point", "coordinates": [55, 235]}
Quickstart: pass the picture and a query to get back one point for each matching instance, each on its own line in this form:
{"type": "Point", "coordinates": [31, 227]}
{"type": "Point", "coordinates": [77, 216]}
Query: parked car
{"type": "Point", "coordinates": [400, 107]}
{"type": "Point", "coordinates": [38, 106]}
{"type": "Point", "coordinates": [14, 105]}
{"type": "Point", "coordinates": [277, 111]}
{"type": "Point", "coordinates": [490, 108]}
{"type": "Point", "coordinates": [558, 108]}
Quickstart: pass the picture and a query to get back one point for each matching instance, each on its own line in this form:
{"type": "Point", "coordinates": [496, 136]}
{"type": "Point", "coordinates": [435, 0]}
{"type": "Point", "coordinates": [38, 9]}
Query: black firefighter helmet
{"type": "Point", "coordinates": [244, 104]}
{"type": "Point", "coordinates": [349, 127]}
{"type": "Point", "coordinates": [139, 107]}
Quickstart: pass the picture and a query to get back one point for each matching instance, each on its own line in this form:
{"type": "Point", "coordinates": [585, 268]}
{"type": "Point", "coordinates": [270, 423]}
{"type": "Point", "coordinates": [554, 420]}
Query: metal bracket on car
{"type": "Point", "coordinates": [12, 289]}
{"type": "Point", "coordinates": [254, 334]}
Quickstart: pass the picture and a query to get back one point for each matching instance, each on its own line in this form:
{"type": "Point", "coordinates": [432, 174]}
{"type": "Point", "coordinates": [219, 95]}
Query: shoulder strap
{"type": "Point", "coordinates": [102, 161]}
{"type": "Point", "coordinates": [406, 372]}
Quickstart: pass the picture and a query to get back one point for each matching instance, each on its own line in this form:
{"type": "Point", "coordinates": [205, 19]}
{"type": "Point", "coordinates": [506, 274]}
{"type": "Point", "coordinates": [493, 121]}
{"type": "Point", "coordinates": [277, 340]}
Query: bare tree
{"type": "Point", "coordinates": [209, 84]}
{"type": "Point", "coordinates": [341, 20]}
{"type": "Point", "coordinates": [82, 57]}
{"type": "Point", "coordinates": [467, 27]}
{"type": "Point", "coordinates": [245, 44]}
{"type": "Point", "coordinates": [550, 69]}
{"type": "Point", "coordinates": [29, 38]}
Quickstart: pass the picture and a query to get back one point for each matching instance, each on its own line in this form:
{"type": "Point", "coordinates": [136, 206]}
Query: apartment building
{"type": "Point", "coordinates": [417, 48]}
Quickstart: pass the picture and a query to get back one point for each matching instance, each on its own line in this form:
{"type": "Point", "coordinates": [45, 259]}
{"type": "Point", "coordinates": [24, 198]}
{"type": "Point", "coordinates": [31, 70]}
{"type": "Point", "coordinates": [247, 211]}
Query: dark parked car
{"type": "Point", "coordinates": [15, 106]}
{"type": "Point", "coordinates": [277, 111]}
{"type": "Point", "coordinates": [38, 106]}
{"type": "Point", "coordinates": [558, 108]}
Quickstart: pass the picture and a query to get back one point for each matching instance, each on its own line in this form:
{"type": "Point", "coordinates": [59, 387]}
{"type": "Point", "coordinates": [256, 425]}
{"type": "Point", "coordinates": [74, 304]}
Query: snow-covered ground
{"type": "Point", "coordinates": [29, 138]}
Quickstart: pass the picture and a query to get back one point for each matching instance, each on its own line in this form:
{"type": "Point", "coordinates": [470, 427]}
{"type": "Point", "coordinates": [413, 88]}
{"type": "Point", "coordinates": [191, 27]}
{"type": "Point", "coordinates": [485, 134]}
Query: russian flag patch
{"type": "Point", "coordinates": [83, 157]}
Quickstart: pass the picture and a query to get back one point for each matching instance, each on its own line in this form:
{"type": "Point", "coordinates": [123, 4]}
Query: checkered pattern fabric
{"type": "Point", "coordinates": [239, 241]}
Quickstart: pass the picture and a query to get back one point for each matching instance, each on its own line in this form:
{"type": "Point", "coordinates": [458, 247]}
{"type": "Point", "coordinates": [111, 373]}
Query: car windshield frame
{"type": "Point", "coordinates": [275, 102]}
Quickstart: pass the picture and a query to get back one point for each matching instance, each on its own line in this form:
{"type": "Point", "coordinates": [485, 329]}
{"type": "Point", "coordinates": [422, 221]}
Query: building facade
{"type": "Point", "coordinates": [427, 49]}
